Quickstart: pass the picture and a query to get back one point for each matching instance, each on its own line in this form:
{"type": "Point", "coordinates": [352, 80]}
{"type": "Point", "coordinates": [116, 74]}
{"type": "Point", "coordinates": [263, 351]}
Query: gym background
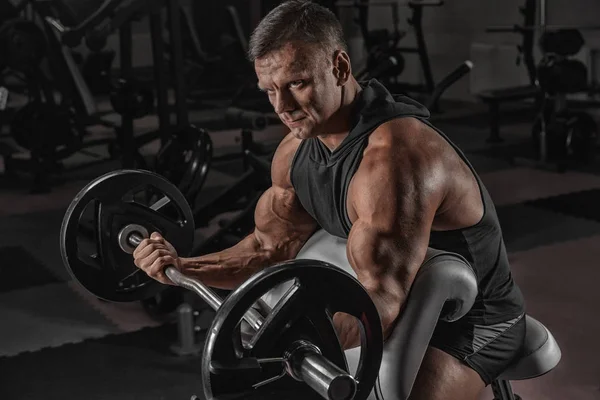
{"type": "Point", "coordinates": [87, 90]}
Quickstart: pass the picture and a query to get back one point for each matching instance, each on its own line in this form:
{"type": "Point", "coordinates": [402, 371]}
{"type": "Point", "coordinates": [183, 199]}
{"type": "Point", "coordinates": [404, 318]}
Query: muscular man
{"type": "Point", "coordinates": [371, 169]}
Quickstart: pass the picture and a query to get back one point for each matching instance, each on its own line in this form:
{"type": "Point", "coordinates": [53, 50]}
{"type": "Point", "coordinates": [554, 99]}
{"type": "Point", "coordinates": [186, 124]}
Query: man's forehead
{"type": "Point", "coordinates": [292, 58]}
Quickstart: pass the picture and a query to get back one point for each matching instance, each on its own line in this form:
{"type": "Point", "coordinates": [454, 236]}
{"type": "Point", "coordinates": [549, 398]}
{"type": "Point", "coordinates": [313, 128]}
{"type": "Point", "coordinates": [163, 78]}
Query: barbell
{"type": "Point", "coordinates": [294, 349]}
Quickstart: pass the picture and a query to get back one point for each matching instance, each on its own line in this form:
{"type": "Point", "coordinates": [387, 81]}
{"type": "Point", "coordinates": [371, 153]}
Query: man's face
{"type": "Point", "coordinates": [300, 82]}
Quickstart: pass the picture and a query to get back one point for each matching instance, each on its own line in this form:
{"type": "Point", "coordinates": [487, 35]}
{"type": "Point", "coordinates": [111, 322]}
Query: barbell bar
{"type": "Point", "coordinates": [302, 362]}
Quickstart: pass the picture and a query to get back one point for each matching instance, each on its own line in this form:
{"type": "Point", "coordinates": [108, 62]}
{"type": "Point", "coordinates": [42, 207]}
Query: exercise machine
{"type": "Point", "coordinates": [561, 137]}
{"type": "Point", "coordinates": [53, 124]}
{"type": "Point", "coordinates": [530, 91]}
{"type": "Point", "coordinates": [385, 60]}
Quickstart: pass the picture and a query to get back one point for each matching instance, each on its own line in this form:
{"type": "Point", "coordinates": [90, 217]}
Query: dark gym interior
{"type": "Point", "coordinates": [94, 87]}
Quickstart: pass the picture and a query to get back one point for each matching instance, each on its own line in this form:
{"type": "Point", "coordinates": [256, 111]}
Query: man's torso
{"type": "Point", "coordinates": [465, 222]}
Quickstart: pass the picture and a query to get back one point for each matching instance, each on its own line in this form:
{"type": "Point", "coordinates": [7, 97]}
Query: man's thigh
{"type": "Point", "coordinates": [486, 349]}
{"type": "Point", "coordinates": [460, 360]}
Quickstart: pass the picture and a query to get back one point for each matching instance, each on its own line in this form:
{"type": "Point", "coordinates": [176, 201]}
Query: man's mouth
{"type": "Point", "coordinates": [294, 122]}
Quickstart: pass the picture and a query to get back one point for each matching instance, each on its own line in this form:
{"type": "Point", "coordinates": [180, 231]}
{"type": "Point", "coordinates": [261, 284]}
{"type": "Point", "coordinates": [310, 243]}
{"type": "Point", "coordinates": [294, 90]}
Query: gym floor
{"type": "Point", "coordinates": [58, 342]}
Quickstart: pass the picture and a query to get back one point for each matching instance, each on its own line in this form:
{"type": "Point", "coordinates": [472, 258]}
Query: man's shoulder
{"type": "Point", "coordinates": [282, 160]}
{"type": "Point", "coordinates": [399, 131]}
{"type": "Point", "coordinates": [406, 148]}
{"type": "Point", "coordinates": [395, 140]}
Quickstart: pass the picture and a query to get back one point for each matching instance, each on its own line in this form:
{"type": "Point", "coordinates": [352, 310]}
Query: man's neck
{"type": "Point", "coordinates": [338, 126]}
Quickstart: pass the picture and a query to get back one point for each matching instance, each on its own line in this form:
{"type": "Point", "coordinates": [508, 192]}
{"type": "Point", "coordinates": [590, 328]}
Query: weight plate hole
{"type": "Point", "coordinates": [88, 236]}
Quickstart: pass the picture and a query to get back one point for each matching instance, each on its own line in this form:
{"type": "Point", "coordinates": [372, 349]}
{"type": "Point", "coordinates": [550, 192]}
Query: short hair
{"type": "Point", "coordinates": [296, 21]}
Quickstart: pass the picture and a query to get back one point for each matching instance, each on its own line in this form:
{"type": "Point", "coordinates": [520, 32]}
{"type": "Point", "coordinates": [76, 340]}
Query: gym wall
{"type": "Point", "coordinates": [454, 33]}
{"type": "Point", "coordinates": [209, 19]}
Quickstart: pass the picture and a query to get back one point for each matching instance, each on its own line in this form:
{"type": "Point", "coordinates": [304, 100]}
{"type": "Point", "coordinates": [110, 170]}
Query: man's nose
{"type": "Point", "coordinates": [284, 102]}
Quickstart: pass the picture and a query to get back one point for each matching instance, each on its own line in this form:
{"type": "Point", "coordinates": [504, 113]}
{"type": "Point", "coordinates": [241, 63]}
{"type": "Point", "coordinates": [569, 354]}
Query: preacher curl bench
{"type": "Point", "coordinates": [445, 288]}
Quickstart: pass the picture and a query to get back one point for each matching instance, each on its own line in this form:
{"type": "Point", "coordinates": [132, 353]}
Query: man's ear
{"type": "Point", "coordinates": [342, 68]}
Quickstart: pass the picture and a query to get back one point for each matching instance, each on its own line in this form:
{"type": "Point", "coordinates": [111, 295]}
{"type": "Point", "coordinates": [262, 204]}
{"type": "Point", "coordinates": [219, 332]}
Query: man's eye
{"type": "Point", "coordinates": [296, 84]}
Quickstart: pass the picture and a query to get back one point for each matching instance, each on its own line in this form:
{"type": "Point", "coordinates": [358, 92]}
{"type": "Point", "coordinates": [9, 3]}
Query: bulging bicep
{"type": "Point", "coordinates": [282, 224]}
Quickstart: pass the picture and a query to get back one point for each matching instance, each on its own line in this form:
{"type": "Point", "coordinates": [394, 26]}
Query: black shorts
{"type": "Point", "coordinates": [488, 349]}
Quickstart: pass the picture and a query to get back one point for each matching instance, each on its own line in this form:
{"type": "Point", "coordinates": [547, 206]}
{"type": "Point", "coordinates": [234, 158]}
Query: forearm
{"type": "Point", "coordinates": [229, 268]}
{"type": "Point", "coordinates": [348, 327]}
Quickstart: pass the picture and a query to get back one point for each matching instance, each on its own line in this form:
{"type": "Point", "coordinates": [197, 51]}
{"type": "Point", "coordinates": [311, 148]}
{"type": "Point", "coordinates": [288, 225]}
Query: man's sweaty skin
{"type": "Point", "coordinates": [282, 228]}
{"type": "Point", "coordinates": [409, 182]}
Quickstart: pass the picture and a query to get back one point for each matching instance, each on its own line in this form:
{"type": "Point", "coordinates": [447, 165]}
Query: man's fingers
{"type": "Point", "coordinates": [153, 255]}
{"type": "Point", "coordinates": [154, 239]}
{"type": "Point", "coordinates": [161, 263]}
{"type": "Point", "coordinates": [145, 243]}
{"type": "Point", "coordinates": [148, 249]}
{"type": "Point", "coordinates": [146, 262]}
{"type": "Point", "coordinates": [140, 247]}
{"type": "Point", "coordinates": [156, 236]}
{"type": "Point", "coordinates": [157, 269]}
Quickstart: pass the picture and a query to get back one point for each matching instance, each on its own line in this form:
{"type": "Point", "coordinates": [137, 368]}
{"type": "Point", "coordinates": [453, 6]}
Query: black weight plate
{"type": "Point", "coordinates": [563, 42]}
{"type": "Point", "coordinates": [91, 226]}
{"type": "Point", "coordinates": [185, 160]}
{"type": "Point", "coordinates": [305, 312]}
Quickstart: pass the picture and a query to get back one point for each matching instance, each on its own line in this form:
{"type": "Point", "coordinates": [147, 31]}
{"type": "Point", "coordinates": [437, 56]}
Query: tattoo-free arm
{"type": "Point", "coordinates": [282, 228]}
{"type": "Point", "coordinates": [395, 200]}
